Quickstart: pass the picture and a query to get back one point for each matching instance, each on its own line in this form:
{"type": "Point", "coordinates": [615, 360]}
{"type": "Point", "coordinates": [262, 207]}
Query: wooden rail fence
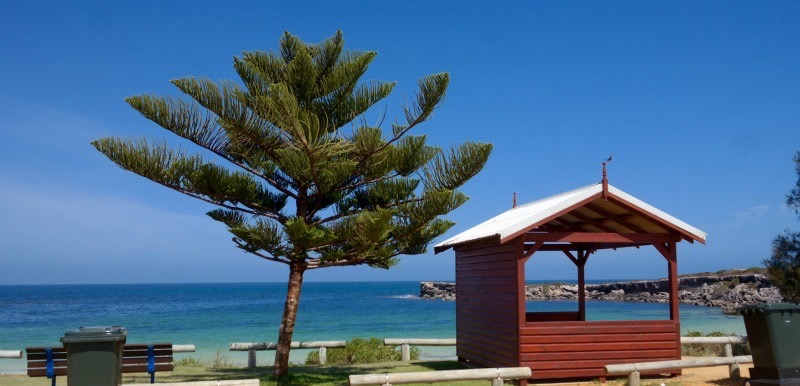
{"type": "Point", "coordinates": [251, 349]}
{"type": "Point", "coordinates": [10, 354]}
{"type": "Point", "coordinates": [496, 375]}
{"type": "Point", "coordinates": [240, 382]}
{"type": "Point", "coordinates": [634, 369]}
{"type": "Point", "coordinates": [405, 345]}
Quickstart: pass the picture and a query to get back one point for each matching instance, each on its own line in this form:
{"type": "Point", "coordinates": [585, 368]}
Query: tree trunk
{"type": "Point", "coordinates": [281, 366]}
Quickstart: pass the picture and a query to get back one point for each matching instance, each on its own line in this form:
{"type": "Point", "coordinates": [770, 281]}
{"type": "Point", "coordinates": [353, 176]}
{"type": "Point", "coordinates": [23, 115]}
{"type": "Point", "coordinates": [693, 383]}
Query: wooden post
{"type": "Point", "coordinates": [674, 300]}
{"type": "Point", "coordinates": [497, 382]}
{"type": "Point", "coordinates": [251, 358]}
{"type": "Point", "coordinates": [670, 252]}
{"type": "Point", "coordinates": [633, 379]}
{"type": "Point", "coordinates": [521, 296]}
{"type": "Point", "coordinates": [582, 257]}
{"type": "Point", "coordinates": [323, 355]}
{"type": "Point", "coordinates": [405, 352]}
{"type": "Point", "coordinates": [733, 368]}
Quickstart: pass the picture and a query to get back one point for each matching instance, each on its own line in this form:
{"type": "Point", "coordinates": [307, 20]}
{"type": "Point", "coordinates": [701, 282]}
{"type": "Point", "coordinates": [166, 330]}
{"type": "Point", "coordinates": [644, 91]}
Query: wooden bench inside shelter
{"type": "Point", "coordinates": [51, 362]}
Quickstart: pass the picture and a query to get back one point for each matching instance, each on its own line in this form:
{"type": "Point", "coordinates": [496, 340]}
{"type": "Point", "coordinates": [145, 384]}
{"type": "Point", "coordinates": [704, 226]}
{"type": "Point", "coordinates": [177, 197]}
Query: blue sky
{"type": "Point", "coordinates": [698, 102]}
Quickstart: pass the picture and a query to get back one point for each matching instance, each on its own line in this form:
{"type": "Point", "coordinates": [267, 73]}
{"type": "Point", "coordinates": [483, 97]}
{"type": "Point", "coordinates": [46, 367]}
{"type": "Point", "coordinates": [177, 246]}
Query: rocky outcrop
{"type": "Point", "coordinates": [437, 290]}
{"type": "Point", "coordinates": [728, 291]}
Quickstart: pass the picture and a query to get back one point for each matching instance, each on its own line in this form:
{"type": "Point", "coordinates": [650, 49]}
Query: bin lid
{"type": "Point", "coordinates": [95, 334]}
{"type": "Point", "coordinates": [770, 308]}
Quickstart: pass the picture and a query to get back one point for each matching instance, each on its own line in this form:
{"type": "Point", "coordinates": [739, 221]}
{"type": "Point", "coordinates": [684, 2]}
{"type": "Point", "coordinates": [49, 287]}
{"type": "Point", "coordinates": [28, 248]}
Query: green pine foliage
{"type": "Point", "coordinates": [360, 350]}
{"type": "Point", "coordinates": [783, 267]}
{"type": "Point", "coordinates": [297, 174]}
{"type": "Point", "coordinates": [793, 199]}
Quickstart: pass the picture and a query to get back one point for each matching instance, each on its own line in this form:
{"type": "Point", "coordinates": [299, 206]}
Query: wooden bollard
{"type": "Point", "coordinates": [633, 379]}
{"type": "Point", "coordinates": [733, 368]}
{"type": "Point", "coordinates": [323, 355]}
{"type": "Point", "coordinates": [405, 352]}
{"type": "Point", "coordinates": [251, 358]}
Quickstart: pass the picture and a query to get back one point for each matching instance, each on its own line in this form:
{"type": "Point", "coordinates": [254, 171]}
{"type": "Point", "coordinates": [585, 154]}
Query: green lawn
{"type": "Point", "coordinates": [298, 375]}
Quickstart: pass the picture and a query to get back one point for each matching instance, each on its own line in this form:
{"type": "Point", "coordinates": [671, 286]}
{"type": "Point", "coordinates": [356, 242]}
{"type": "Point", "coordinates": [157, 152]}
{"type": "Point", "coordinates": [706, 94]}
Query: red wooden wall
{"type": "Point", "coordinates": [487, 323]}
{"type": "Point", "coordinates": [581, 349]}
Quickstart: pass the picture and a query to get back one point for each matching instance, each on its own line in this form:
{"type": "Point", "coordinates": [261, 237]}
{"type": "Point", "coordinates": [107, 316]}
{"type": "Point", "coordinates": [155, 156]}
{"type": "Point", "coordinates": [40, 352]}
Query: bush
{"type": "Point", "coordinates": [712, 350]}
{"type": "Point", "coordinates": [190, 362]}
{"type": "Point", "coordinates": [361, 350]}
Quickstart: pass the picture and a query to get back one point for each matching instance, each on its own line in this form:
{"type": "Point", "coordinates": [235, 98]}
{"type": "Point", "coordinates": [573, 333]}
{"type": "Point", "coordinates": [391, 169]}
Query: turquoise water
{"type": "Point", "coordinates": [211, 316]}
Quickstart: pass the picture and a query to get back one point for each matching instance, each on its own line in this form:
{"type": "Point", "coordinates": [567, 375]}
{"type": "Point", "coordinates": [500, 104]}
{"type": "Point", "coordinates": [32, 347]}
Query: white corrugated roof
{"type": "Point", "coordinates": [522, 218]}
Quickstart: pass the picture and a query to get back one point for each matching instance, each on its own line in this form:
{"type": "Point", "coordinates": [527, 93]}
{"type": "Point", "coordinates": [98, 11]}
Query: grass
{"type": "Point", "coordinates": [302, 375]}
{"type": "Point", "coordinates": [298, 374]}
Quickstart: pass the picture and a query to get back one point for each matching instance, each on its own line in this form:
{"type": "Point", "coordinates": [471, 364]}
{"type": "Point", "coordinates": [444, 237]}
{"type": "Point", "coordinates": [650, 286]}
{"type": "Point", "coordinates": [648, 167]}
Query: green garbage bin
{"type": "Point", "coordinates": [94, 355]}
{"type": "Point", "coordinates": [773, 331]}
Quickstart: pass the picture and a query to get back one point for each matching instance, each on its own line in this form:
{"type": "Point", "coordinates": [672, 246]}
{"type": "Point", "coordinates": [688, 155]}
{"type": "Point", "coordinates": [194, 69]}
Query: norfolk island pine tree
{"type": "Point", "coordinates": [783, 266]}
{"type": "Point", "coordinates": [306, 181]}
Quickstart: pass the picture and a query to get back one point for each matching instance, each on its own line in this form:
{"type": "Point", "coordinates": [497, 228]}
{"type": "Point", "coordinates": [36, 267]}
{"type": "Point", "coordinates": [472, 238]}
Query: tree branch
{"type": "Point", "coordinates": [261, 255]}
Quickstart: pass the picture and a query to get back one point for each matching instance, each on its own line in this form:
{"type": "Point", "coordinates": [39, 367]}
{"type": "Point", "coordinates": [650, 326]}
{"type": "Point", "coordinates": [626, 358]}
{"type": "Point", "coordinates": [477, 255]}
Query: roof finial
{"type": "Point", "coordinates": [605, 177]}
{"type": "Point", "coordinates": [514, 202]}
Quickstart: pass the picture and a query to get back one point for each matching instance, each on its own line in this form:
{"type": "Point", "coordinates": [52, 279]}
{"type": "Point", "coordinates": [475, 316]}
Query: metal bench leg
{"type": "Point", "coordinates": [151, 363]}
{"type": "Point", "coordinates": [50, 371]}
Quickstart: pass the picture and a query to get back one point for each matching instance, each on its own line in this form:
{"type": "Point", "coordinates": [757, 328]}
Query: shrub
{"type": "Point", "coordinates": [361, 350]}
{"type": "Point", "coordinates": [219, 361]}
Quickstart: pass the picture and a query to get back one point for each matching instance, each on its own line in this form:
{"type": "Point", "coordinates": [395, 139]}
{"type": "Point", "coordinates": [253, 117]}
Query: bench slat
{"type": "Point", "coordinates": [43, 357]}
{"type": "Point", "coordinates": [142, 368]}
{"type": "Point", "coordinates": [136, 361]}
{"type": "Point", "coordinates": [42, 371]}
{"type": "Point", "coordinates": [43, 364]}
{"type": "Point", "coordinates": [143, 353]}
{"type": "Point", "coordinates": [156, 346]}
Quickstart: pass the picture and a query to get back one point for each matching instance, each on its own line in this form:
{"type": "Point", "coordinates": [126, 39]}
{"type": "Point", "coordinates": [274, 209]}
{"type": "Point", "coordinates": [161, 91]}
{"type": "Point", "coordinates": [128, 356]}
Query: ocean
{"type": "Point", "coordinates": [210, 316]}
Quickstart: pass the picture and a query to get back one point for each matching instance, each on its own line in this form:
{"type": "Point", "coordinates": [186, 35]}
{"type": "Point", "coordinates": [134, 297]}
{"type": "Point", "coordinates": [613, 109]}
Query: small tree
{"type": "Point", "coordinates": [783, 267]}
{"type": "Point", "coordinates": [306, 181]}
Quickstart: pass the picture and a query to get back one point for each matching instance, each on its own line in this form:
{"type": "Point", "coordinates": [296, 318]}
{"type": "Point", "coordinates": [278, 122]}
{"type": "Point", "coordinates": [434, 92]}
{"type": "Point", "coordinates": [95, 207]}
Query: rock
{"type": "Point", "coordinates": [728, 291]}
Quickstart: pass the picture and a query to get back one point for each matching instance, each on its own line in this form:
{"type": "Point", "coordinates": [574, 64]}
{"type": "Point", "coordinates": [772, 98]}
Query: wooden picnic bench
{"type": "Point", "coordinates": [51, 362]}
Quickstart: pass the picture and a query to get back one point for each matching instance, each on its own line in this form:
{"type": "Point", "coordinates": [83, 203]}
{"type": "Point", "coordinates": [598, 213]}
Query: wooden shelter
{"type": "Point", "coordinates": [493, 328]}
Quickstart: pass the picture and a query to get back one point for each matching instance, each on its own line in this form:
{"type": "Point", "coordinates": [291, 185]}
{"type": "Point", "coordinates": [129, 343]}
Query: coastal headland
{"type": "Point", "coordinates": [729, 290]}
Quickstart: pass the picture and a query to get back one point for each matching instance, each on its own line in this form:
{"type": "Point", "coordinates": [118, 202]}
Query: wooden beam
{"type": "Point", "coordinates": [530, 250]}
{"type": "Point", "coordinates": [654, 219]}
{"type": "Point", "coordinates": [604, 237]}
{"type": "Point", "coordinates": [586, 246]}
{"type": "Point", "coordinates": [572, 257]}
{"type": "Point", "coordinates": [568, 225]}
{"type": "Point", "coordinates": [548, 218]}
{"type": "Point", "coordinates": [591, 221]}
{"type": "Point", "coordinates": [621, 220]}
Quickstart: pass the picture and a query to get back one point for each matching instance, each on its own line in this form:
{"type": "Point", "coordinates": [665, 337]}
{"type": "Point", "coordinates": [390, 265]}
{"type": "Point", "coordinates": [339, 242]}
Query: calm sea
{"type": "Point", "coordinates": [211, 316]}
